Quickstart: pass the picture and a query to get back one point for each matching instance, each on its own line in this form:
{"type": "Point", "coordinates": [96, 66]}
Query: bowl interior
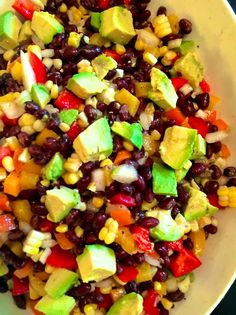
{"type": "Point", "coordinates": [214, 26]}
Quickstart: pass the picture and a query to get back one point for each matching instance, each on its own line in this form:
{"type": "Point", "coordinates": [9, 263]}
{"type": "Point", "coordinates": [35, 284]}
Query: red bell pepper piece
{"type": "Point", "coordinates": [24, 8]}
{"type": "Point", "coordinates": [141, 237]}
{"type": "Point", "coordinates": [67, 100]}
{"type": "Point", "coordinates": [150, 303]}
{"type": "Point", "coordinates": [74, 131]}
{"type": "Point", "coordinates": [127, 2]}
{"type": "Point", "coordinates": [62, 258]}
{"type": "Point", "coordinates": [20, 286]}
{"type": "Point", "coordinates": [205, 87]}
{"type": "Point", "coordinates": [129, 273]}
{"type": "Point", "coordinates": [4, 202]}
{"type": "Point", "coordinates": [122, 199]}
{"type": "Point", "coordinates": [113, 54]}
{"type": "Point", "coordinates": [183, 263]}
{"type": "Point", "coordinates": [7, 223]}
{"type": "Point", "coordinates": [199, 124]}
{"type": "Point", "coordinates": [8, 121]}
{"type": "Point", "coordinates": [177, 115]}
{"type": "Point", "coordinates": [38, 68]}
{"type": "Point", "coordinates": [213, 199]}
{"type": "Point", "coordinates": [176, 246]}
{"type": "Point", "coordinates": [104, 4]}
{"type": "Point", "coordinates": [4, 151]}
{"type": "Point", "coordinates": [178, 82]}
{"type": "Point", "coordinates": [46, 226]}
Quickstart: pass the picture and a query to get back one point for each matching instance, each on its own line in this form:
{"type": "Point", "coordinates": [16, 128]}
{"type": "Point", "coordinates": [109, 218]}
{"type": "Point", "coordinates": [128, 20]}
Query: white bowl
{"type": "Point", "coordinates": [214, 27]}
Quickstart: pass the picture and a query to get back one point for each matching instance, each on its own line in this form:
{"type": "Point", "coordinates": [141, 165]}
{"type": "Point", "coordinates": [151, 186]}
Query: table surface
{"type": "Point", "coordinates": [228, 304]}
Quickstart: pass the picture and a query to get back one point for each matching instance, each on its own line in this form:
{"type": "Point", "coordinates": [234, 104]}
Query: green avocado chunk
{"type": "Point", "coordinates": [199, 149]}
{"type": "Point", "coordinates": [177, 146]}
{"type": "Point", "coordinates": [119, 29]}
{"type": "Point", "coordinates": [190, 68]}
{"type": "Point", "coordinates": [46, 26]}
{"type": "Point", "coordinates": [68, 116]}
{"type": "Point", "coordinates": [102, 64]}
{"type": "Point", "coordinates": [197, 204]}
{"type": "Point", "coordinates": [181, 173]}
{"type": "Point", "coordinates": [94, 143]}
{"type": "Point", "coordinates": [167, 229]}
{"type": "Point", "coordinates": [186, 46]}
{"type": "Point", "coordinates": [97, 262]}
{"type": "Point", "coordinates": [164, 180]}
{"type": "Point", "coordinates": [131, 132]}
{"type": "Point", "coordinates": [63, 305]}
{"type": "Point", "coordinates": [95, 19]}
{"type": "Point", "coordinates": [54, 168]}
{"type": "Point", "coordinates": [162, 92]}
{"type": "Point", "coordinates": [25, 32]}
{"type": "Point", "coordinates": [40, 95]}
{"type": "Point", "coordinates": [85, 84]}
{"type": "Point", "coordinates": [60, 201]}
{"type": "Point", "coordinates": [10, 27]}
{"type": "Point", "coordinates": [131, 304]}
{"type": "Point", "coordinates": [59, 282]}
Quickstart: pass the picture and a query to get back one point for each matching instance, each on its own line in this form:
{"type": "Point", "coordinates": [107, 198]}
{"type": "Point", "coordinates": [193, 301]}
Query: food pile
{"type": "Point", "coordinates": [112, 165]}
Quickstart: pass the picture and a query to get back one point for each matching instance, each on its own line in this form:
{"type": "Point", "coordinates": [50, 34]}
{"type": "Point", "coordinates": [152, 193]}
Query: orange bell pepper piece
{"type": "Point", "coordinates": [123, 217]}
{"type": "Point", "coordinates": [176, 115]}
{"type": "Point", "coordinates": [225, 151]}
{"type": "Point", "coordinates": [4, 203]}
{"type": "Point", "coordinates": [121, 156]}
{"type": "Point", "coordinates": [6, 223]}
{"type": "Point", "coordinates": [221, 124]}
{"type": "Point", "coordinates": [25, 271]}
{"type": "Point", "coordinates": [18, 164]}
{"type": "Point", "coordinates": [12, 184]}
{"type": "Point", "coordinates": [63, 241]}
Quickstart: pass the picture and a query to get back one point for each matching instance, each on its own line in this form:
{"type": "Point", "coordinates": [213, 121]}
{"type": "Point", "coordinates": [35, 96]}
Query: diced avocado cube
{"type": "Point", "coordinates": [211, 210]}
{"type": "Point", "coordinates": [197, 205]}
{"type": "Point", "coordinates": [85, 84]}
{"type": "Point", "coordinates": [25, 32]}
{"type": "Point", "coordinates": [102, 64]}
{"type": "Point", "coordinates": [63, 306]}
{"type": "Point", "coordinates": [59, 282]}
{"type": "Point", "coordinates": [97, 262]}
{"type": "Point", "coordinates": [167, 229]}
{"type": "Point", "coordinates": [199, 149]}
{"type": "Point", "coordinates": [95, 19]}
{"type": "Point", "coordinates": [125, 97]}
{"type": "Point", "coordinates": [177, 146]}
{"type": "Point", "coordinates": [131, 132]}
{"type": "Point", "coordinates": [131, 304]}
{"type": "Point", "coordinates": [120, 29]}
{"type": "Point", "coordinates": [164, 180]}
{"type": "Point", "coordinates": [186, 46]}
{"type": "Point", "coordinates": [68, 116]}
{"type": "Point", "coordinates": [9, 30]}
{"type": "Point", "coordinates": [94, 143]}
{"type": "Point", "coordinates": [60, 201]}
{"type": "Point", "coordinates": [3, 268]}
{"type": "Point", "coordinates": [181, 173]}
{"type": "Point", "coordinates": [54, 168]}
{"type": "Point", "coordinates": [162, 92]}
{"type": "Point", "coordinates": [190, 68]}
{"type": "Point", "coordinates": [46, 26]}
{"type": "Point", "coordinates": [40, 95]}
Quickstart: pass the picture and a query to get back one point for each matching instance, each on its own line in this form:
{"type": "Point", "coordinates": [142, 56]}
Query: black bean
{"type": "Point", "coordinates": [131, 286]}
{"type": "Point", "coordinates": [10, 258]}
{"type": "Point", "coordinates": [39, 209]}
{"type": "Point", "coordinates": [167, 204]}
{"type": "Point", "coordinates": [209, 151]}
{"type": "Point", "coordinates": [139, 258]}
{"type": "Point", "coordinates": [71, 28]}
{"type": "Point", "coordinates": [35, 222]}
{"type": "Point", "coordinates": [81, 290]}
{"type": "Point", "coordinates": [102, 107]}
{"type": "Point", "coordinates": [127, 189]}
{"type": "Point", "coordinates": [230, 171]}
{"type": "Point", "coordinates": [90, 113]}
{"type": "Point", "coordinates": [211, 128]}
{"type": "Point", "coordinates": [162, 10]}
{"type": "Point", "coordinates": [24, 139]}
{"type": "Point", "coordinates": [188, 109]}
{"type": "Point", "coordinates": [91, 238]}
{"type": "Point", "coordinates": [161, 275]}
{"type": "Point", "coordinates": [203, 100]}
{"type": "Point", "coordinates": [188, 243]}
{"type": "Point", "coordinates": [20, 301]}
{"type": "Point", "coordinates": [216, 171]}
{"type": "Point", "coordinates": [175, 211]}
{"type": "Point", "coordinates": [55, 77]}
{"type": "Point", "coordinates": [197, 169]}
{"type": "Point", "coordinates": [14, 131]}
{"type": "Point", "coordinates": [90, 52]}
{"type": "Point", "coordinates": [231, 182]}
{"type": "Point", "coordinates": [16, 235]}
{"type": "Point", "coordinates": [211, 229]}
{"type": "Point", "coordinates": [149, 195]}
{"type": "Point", "coordinates": [163, 311]}
{"type": "Point", "coordinates": [161, 249]}
{"type": "Point", "coordinates": [111, 190]}
{"type": "Point", "coordinates": [185, 26]}
{"type": "Point", "coordinates": [3, 285]}
{"type": "Point", "coordinates": [216, 146]}
{"type": "Point", "coordinates": [140, 184]}
{"type": "Point", "coordinates": [31, 107]}
{"type": "Point", "coordinates": [147, 285]}
{"type": "Point", "coordinates": [211, 187]}
{"type": "Point", "coordinates": [175, 296]}
{"type": "Point", "coordinates": [183, 195]}
{"type": "Point", "coordinates": [148, 222]}
{"type": "Point", "coordinates": [42, 113]}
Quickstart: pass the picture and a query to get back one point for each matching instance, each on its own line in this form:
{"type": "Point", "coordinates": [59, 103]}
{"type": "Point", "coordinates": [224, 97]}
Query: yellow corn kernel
{"type": "Point", "coordinates": [75, 15]}
{"type": "Point", "coordinates": [54, 91]}
{"type": "Point", "coordinates": [64, 127]}
{"type": "Point", "coordinates": [38, 125]}
{"type": "Point", "coordinates": [13, 143]}
{"type": "Point", "coordinates": [174, 23]}
{"type": "Point", "coordinates": [63, 228]}
{"type": "Point", "coordinates": [98, 202]}
{"type": "Point", "coordinates": [103, 232]}
{"type": "Point", "coordinates": [120, 49]}
{"type": "Point", "coordinates": [49, 84]}
{"type": "Point", "coordinates": [139, 45]}
{"type": "Point", "coordinates": [24, 157]}
{"type": "Point", "coordinates": [45, 182]}
{"type": "Point", "coordinates": [83, 10]}
{"type": "Point", "coordinates": [108, 222]}
{"type": "Point", "coordinates": [106, 162]}
{"type": "Point", "coordinates": [149, 58]}
{"type": "Point", "coordinates": [22, 210]}
{"type": "Point", "coordinates": [128, 145]}
{"type": "Point", "coordinates": [71, 178]}
{"type": "Point", "coordinates": [57, 63]}
{"type": "Point", "coordinates": [162, 26]}
{"type": "Point", "coordinates": [198, 238]}
{"type": "Point", "coordinates": [117, 293]}
{"type": "Point", "coordinates": [232, 192]}
{"type": "Point", "coordinates": [16, 71]}
{"type": "Point", "coordinates": [106, 290]}
{"type": "Point", "coordinates": [163, 50]}
{"type": "Point", "coordinates": [89, 309]}
{"type": "Point", "coordinates": [79, 231]}
{"type": "Point", "coordinates": [155, 135]}
{"type": "Point", "coordinates": [170, 55]}
{"type": "Point", "coordinates": [28, 129]}
{"type": "Point", "coordinates": [113, 226]}
{"type": "Point", "coordinates": [3, 174]}
{"type": "Point", "coordinates": [49, 269]}
{"type": "Point", "coordinates": [8, 54]}
{"type": "Point", "coordinates": [63, 8]}
{"type": "Point", "coordinates": [26, 120]}
{"type": "Point", "coordinates": [110, 238]}
{"type": "Point", "coordinates": [160, 287]}
{"type": "Point", "coordinates": [8, 164]}
{"type": "Point", "coordinates": [166, 304]}
{"type": "Point", "coordinates": [36, 50]}
{"type": "Point", "coordinates": [72, 165]}
{"type": "Point", "coordinates": [74, 39]}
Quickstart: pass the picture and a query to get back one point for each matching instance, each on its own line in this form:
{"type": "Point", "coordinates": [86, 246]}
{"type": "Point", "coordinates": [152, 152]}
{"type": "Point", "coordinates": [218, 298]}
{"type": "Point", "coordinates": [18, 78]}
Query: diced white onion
{"type": "Point", "coordinates": [12, 110]}
{"type": "Point", "coordinates": [145, 120]}
{"type": "Point", "coordinates": [174, 43]}
{"type": "Point", "coordinates": [98, 177]}
{"type": "Point", "coordinates": [171, 285]}
{"type": "Point", "coordinates": [201, 114]}
{"type": "Point", "coordinates": [186, 89]}
{"type": "Point", "coordinates": [24, 227]}
{"type": "Point", "coordinates": [45, 255]}
{"type": "Point", "coordinates": [124, 174]}
{"type": "Point", "coordinates": [216, 136]}
{"type": "Point", "coordinates": [196, 91]}
{"type": "Point", "coordinates": [152, 261]}
{"type": "Point", "coordinates": [37, 41]}
{"type": "Point", "coordinates": [149, 38]}
{"type": "Point", "coordinates": [107, 283]}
